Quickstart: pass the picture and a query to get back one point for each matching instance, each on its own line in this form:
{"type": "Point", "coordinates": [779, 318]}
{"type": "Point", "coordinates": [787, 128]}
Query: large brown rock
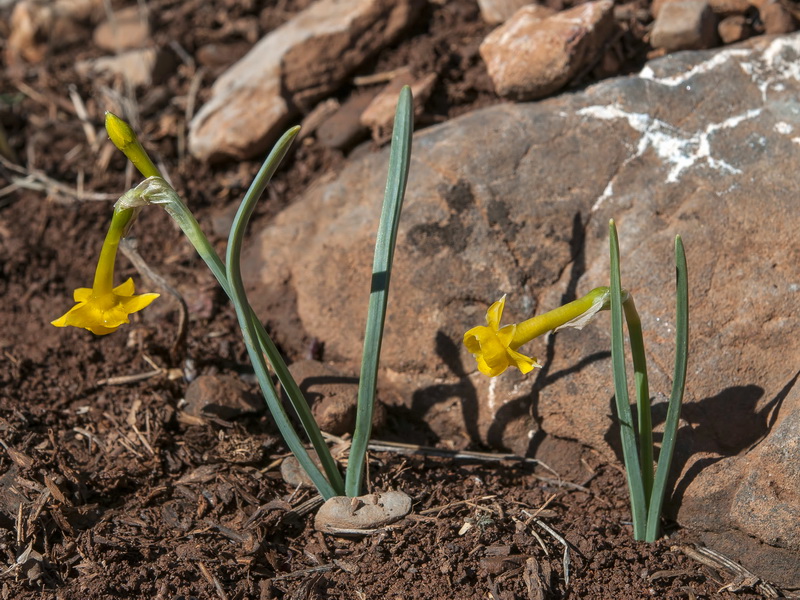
{"type": "Point", "coordinates": [294, 65]}
{"type": "Point", "coordinates": [516, 199]}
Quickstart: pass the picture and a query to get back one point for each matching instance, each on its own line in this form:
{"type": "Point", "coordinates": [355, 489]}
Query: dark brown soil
{"type": "Point", "coordinates": [109, 490]}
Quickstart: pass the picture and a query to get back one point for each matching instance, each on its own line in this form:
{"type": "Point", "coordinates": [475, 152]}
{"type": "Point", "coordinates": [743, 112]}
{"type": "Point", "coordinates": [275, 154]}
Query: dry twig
{"type": "Point", "coordinates": [743, 577]}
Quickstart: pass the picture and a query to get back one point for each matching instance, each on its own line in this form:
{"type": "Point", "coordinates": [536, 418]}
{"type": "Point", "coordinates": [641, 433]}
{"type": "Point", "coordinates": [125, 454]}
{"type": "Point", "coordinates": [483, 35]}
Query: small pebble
{"type": "Point", "coordinates": [733, 29]}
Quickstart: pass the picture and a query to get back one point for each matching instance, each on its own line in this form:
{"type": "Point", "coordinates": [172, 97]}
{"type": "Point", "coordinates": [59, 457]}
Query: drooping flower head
{"type": "Point", "coordinates": [491, 344]}
{"type": "Point", "coordinates": [103, 308]}
{"type": "Point", "coordinates": [103, 313]}
{"type": "Point", "coordinates": [495, 347]}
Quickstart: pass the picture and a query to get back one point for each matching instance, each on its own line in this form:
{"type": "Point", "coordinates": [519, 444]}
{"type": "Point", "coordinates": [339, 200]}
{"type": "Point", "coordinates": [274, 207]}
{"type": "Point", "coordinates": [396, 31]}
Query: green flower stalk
{"type": "Point", "coordinates": [647, 490]}
{"type": "Point", "coordinates": [155, 190]}
{"type": "Point", "coordinates": [260, 347]}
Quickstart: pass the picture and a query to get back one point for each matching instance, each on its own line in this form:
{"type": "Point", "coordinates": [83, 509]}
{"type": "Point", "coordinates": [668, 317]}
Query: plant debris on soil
{"type": "Point", "coordinates": [110, 489]}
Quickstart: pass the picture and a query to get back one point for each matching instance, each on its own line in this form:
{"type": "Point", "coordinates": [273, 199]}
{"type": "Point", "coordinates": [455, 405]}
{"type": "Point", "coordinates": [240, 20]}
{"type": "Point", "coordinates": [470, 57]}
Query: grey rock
{"type": "Point", "coordinates": [516, 199]}
{"type": "Point", "coordinates": [747, 505]}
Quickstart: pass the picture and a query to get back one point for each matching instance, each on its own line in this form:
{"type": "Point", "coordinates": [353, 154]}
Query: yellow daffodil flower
{"type": "Point", "coordinates": [103, 308]}
{"type": "Point", "coordinates": [495, 348]}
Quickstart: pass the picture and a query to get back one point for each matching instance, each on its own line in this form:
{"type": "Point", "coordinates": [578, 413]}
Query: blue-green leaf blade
{"type": "Point", "coordinates": [676, 397]}
{"type": "Point", "coordinates": [399, 160]}
{"type": "Point", "coordinates": [624, 414]}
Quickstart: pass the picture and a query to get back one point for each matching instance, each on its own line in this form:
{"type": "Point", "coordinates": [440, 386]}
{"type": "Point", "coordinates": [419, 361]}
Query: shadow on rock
{"type": "Point", "coordinates": [425, 399]}
{"type": "Point", "coordinates": [726, 424]}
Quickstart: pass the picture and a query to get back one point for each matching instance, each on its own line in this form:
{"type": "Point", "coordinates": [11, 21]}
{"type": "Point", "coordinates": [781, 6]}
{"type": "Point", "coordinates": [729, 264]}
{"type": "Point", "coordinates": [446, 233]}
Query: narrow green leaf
{"type": "Point", "coordinates": [624, 415]}
{"type": "Point", "coordinates": [399, 159]}
{"type": "Point", "coordinates": [643, 410]}
{"type": "Point", "coordinates": [676, 397]}
{"type": "Point", "coordinates": [250, 331]}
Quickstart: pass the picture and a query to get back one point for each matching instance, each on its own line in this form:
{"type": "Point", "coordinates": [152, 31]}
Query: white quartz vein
{"type": "Point", "coordinates": [678, 148]}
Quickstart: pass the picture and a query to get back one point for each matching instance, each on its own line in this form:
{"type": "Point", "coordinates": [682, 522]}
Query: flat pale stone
{"type": "Point", "coordinates": [140, 67]}
{"type": "Point", "coordinates": [379, 115]}
{"type": "Point", "coordinates": [352, 516]}
{"type": "Point", "coordinates": [38, 27]}
{"type": "Point", "coordinates": [498, 11]}
{"type": "Point", "coordinates": [128, 29]}
{"type": "Point", "coordinates": [733, 29]}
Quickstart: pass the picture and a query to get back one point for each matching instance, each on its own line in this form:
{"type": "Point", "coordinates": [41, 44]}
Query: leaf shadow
{"type": "Point", "coordinates": [726, 424]}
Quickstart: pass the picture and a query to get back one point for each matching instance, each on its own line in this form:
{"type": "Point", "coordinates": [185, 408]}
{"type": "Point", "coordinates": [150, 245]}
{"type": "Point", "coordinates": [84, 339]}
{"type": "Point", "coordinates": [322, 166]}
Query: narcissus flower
{"type": "Point", "coordinates": [495, 347]}
{"type": "Point", "coordinates": [103, 308]}
{"type": "Point", "coordinates": [102, 313]}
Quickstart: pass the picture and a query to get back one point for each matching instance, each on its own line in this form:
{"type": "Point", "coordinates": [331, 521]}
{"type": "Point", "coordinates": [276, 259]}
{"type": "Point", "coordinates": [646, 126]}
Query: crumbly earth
{"type": "Point", "coordinates": [109, 489]}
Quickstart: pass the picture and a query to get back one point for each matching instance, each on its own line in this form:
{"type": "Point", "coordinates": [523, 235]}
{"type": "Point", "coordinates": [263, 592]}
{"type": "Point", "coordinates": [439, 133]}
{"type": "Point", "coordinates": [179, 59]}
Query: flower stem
{"type": "Point", "coordinates": [251, 327]}
{"type": "Point", "coordinates": [558, 317]}
{"type": "Point", "coordinates": [104, 273]}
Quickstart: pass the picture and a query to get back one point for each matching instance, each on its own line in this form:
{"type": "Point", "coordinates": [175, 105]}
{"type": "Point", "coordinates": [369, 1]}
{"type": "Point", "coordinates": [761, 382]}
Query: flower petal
{"type": "Point", "coordinates": [82, 294]}
{"type": "Point", "coordinates": [488, 350]}
{"type": "Point", "coordinates": [472, 339]}
{"type": "Point", "coordinates": [506, 334]}
{"type": "Point", "coordinates": [103, 314]}
{"type": "Point", "coordinates": [126, 288]}
{"type": "Point", "coordinates": [137, 303]}
{"type": "Point", "coordinates": [525, 364]}
{"type": "Point", "coordinates": [495, 312]}
{"type": "Point", "coordinates": [487, 369]}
